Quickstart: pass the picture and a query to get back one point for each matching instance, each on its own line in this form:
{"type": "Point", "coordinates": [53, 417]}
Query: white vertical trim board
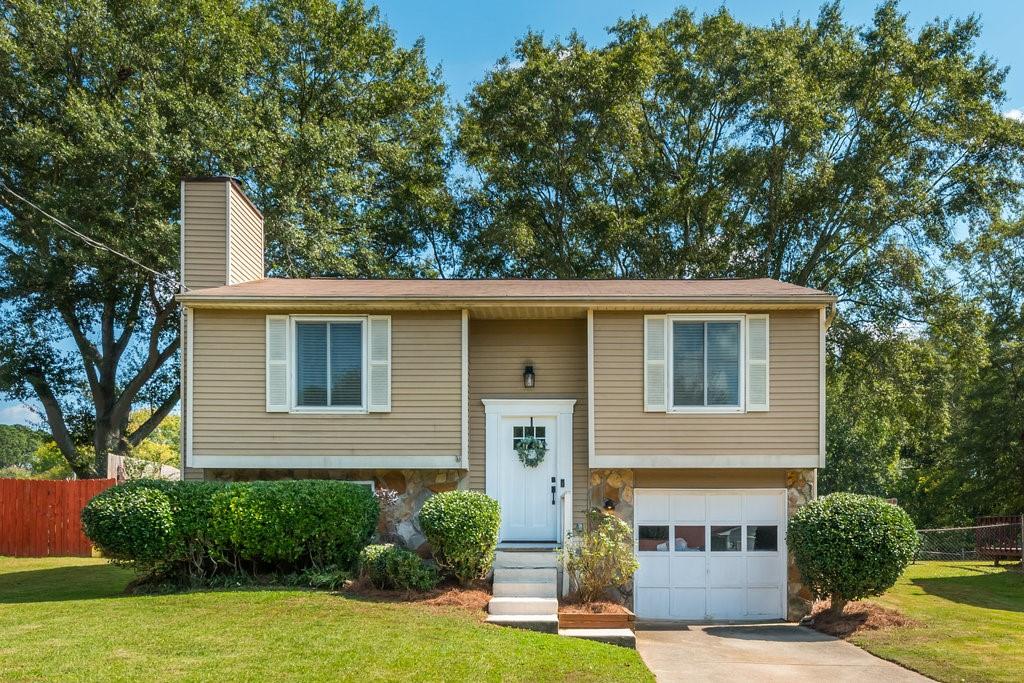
{"type": "Point", "coordinates": [591, 437]}
{"type": "Point", "coordinates": [189, 373]}
{"type": "Point", "coordinates": [821, 389]}
{"type": "Point", "coordinates": [465, 390]}
{"type": "Point", "coordinates": [181, 246]}
{"type": "Point", "coordinates": [227, 233]}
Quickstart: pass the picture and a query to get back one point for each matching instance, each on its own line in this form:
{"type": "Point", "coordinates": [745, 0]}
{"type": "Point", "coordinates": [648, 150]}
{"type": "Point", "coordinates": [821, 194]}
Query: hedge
{"type": "Point", "coordinates": [196, 529]}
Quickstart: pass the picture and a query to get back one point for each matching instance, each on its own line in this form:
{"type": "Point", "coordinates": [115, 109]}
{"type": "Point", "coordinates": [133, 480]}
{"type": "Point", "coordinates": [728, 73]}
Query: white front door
{"type": "Point", "coordinates": [528, 495]}
{"type": "Point", "coordinates": [710, 554]}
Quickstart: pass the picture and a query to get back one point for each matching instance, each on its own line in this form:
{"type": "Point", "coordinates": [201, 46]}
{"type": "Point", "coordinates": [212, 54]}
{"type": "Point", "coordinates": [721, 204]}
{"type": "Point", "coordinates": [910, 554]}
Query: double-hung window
{"type": "Point", "coordinates": [706, 363]}
{"type": "Point", "coordinates": [329, 364]}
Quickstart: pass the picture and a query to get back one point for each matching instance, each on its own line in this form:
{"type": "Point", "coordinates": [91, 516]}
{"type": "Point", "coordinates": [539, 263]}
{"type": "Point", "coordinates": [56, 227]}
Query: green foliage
{"type": "Point", "coordinates": [131, 525]}
{"type": "Point", "coordinates": [195, 531]}
{"type": "Point", "coordinates": [320, 523]}
{"type": "Point", "coordinates": [600, 558]}
{"type": "Point", "coordinates": [336, 131]}
{"type": "Point", "coordinates": [328, 578]}
{"type": "Point", "coordinates": [850, 546]}
{"type": "Point", "coordinates": [462, 528]}
{"type": "Point", "coordinates": [191, 502]}
{"type": "Point", "coordinates": [388, 566]}
{"type": "Point", "coordinates": [17, 444]}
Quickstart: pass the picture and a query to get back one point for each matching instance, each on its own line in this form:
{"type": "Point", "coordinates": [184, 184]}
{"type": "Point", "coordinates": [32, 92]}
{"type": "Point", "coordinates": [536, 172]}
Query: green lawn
{"type": "Point", "coordinates": [68, 618]}
{"type": "Point", "coordinates": [972, 622]}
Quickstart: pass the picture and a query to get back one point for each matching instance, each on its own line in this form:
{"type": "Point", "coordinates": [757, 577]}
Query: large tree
{"type": "Point", "coordinates": [841, 157]}
{"type": "Point", "coordinates": [106, 104]}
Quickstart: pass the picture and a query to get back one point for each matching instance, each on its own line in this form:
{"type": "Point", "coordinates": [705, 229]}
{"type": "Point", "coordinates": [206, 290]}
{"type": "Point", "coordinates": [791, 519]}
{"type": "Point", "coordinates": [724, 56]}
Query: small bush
{"type": "Point", "coordinates": [849, 546]}
{"type": "Point", "coordinates": [328, 578]}
{"type": "Point", "coordinates": [388, 566]}
{"type": "Point", "coordinates": [320, 523]}
{"type": "Point", "coordinates": [132, 526]}
{"type": "Point", "coordinates": [601, 558]}
{"type": "Point", "coordinates": [462, 529]}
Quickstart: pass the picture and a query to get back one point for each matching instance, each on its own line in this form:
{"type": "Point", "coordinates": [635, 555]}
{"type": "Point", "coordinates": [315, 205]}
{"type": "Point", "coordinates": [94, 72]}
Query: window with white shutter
{"type": "Point", "coordinates": [757, 362]}
{"type": "Point", "coordinates": [705, 363]}
{"type": "Point", "coordinates": [654, 363]}
{"type": "Point", "coordinates": [328, 364]}
{"type": "Point", "coordinates": [380, 364]}
{"type": "Point", "coordinates": [277, 364]}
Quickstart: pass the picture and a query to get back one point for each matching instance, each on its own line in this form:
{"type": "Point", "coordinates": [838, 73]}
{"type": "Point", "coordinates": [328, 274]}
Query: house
{"type": "Point", "coordinates": [694, 410]}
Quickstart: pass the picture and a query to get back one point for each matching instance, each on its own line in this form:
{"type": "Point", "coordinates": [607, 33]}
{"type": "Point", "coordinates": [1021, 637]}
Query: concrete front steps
{"type": "Point", "coordinates": [525, 590]}
{"type": "Point", "coordinates": [525, 594]}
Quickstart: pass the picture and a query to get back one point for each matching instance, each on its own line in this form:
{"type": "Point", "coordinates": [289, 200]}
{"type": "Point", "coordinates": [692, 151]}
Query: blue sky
{"type": "Point", "coordinates": [466, 39]}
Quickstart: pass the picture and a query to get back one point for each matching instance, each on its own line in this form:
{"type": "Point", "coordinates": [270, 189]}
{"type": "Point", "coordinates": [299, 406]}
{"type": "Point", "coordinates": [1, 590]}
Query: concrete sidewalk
{"type": "Point", "coordinates": [758, 652]}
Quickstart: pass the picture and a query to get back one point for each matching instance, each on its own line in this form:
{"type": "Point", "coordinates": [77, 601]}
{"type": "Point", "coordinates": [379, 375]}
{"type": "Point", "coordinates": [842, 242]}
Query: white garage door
{"type": "Point", "coordinates": [710, 554]}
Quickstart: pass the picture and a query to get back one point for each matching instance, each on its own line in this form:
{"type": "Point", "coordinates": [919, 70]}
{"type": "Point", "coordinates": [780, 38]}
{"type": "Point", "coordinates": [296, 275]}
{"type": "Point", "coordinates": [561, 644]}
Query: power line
{"type": "Point", "coordinates": [94, 243]}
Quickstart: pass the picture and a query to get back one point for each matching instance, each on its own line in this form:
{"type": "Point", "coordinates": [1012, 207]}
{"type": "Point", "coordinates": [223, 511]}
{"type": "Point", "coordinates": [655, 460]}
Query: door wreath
{"type": "Point", "coordinates": [531, 451]}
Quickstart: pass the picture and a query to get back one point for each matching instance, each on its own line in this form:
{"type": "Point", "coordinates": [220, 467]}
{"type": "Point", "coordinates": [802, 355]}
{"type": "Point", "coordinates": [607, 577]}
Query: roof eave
{"type": "Point", "coordinates": [200, 300]}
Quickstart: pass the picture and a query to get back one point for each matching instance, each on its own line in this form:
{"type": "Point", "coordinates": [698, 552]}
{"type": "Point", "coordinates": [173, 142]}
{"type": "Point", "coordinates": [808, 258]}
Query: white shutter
{"type": "Point", "coordinates": [757, 362]}
{"type": "Point", "coordinates": [277, 363]}
{"type": "Point", "coordinates": [655, 350]}
{"type": "Point", "coordinates": [380, 364]}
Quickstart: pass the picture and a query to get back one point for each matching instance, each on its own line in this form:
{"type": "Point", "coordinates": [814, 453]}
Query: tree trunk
{"type": "Point", "coordinates": [838, 603]}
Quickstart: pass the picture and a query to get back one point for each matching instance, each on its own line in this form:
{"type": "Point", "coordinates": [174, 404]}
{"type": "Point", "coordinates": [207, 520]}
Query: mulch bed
{"type": "Point", "coordinates": [856, 617]}
{"type": "Point", "coordinates": [446, 595]}
{"type": "Point", "coordinates": [599, 607]}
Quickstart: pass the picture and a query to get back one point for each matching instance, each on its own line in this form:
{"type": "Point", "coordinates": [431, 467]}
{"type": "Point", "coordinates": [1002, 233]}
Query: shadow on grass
{"type": "Point", "coordinates": [57, 584]}
{"type": "Point", "coordinates": [1000, 590]}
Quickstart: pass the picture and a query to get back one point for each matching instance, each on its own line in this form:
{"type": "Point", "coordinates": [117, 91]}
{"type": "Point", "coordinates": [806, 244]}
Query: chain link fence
{"type": "Point", "coordinates": [993, 538]}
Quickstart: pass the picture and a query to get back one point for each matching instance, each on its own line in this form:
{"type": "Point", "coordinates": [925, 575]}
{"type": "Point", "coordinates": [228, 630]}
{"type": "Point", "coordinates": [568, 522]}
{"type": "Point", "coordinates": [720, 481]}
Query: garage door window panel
{"type": "Point", "coordinates": [762, 538]}
{"type": "Point", "coordinates": [652, 538]}
{"type": "Point", "coordinates": [689, 539]}
{"type": "Point", "coordinates": [726, 538]}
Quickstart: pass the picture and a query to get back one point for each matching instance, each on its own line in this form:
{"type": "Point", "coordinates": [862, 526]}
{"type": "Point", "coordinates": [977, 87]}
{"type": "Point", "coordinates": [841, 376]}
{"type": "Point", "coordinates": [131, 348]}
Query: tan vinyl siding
{"type": "Point", "coordinates": [205, 237]}
{"type": "Point", "coordinates": [789, 427]}
{"type": "Point", "coordinates": [557, 349]}
{"type": "Point", "coordinates": [230, 418]}
{"type": "Point", "coordinates": [246, 240]}
{"type": "Point", "coordinates": [709, 479]}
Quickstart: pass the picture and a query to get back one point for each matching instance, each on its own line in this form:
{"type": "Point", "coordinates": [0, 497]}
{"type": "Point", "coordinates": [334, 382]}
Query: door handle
{"type": "Point", "coordinates": [552, 494]}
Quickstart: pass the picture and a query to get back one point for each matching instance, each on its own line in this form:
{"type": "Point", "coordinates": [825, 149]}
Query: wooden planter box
{"type": "Point", "coordinates": [568, 620]}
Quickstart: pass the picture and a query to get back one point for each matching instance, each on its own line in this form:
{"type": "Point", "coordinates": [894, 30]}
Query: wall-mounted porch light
{"type": "Point", "coordinates": [528, 377]}
{"type": "Point", "coordinates": [609, 504]}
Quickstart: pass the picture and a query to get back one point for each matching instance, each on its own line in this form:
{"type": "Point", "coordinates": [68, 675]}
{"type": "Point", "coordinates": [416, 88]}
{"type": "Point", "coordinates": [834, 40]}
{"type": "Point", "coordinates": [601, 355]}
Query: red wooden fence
{"type": "Point", "coordinates": [40, 518]}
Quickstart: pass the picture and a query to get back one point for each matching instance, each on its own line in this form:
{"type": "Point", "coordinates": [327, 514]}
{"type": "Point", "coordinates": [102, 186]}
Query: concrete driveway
{"type": "Point", "coordinates": [758, 652]}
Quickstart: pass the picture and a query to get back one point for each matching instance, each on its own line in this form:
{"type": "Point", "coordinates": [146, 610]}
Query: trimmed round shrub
{"type": "Point", "coordinates": [462, 528]}
{"type": "Point", "coordinates": [849, 546]}
{"type": "Point", "coordinates": [294, 523]}
{"type": "Point", "coordinates": [131, 525]}
{"type": "Point", "coordinates": [388, 566]}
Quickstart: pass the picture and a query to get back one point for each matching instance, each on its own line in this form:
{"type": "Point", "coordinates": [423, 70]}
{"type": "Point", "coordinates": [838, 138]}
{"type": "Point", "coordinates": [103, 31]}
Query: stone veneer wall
{"type": "Point", "coordinates": [617, 485]}
{"type": "Point", "coordinates": [412, 487]}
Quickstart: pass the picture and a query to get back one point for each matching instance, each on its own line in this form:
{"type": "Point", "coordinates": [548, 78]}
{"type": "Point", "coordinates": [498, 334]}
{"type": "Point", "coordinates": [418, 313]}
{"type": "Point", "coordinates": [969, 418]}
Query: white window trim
{"type": "Point", "coordinates": [670, 407]}
{"type": "Point", "coordinates": [293, 406]}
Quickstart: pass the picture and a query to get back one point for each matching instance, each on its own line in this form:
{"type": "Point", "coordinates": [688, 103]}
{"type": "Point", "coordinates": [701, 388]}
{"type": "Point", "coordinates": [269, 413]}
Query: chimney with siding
{"type": "Point", "coordinates": [221, 244]}
{"type": "Point", "coordinates": [221, 234]}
